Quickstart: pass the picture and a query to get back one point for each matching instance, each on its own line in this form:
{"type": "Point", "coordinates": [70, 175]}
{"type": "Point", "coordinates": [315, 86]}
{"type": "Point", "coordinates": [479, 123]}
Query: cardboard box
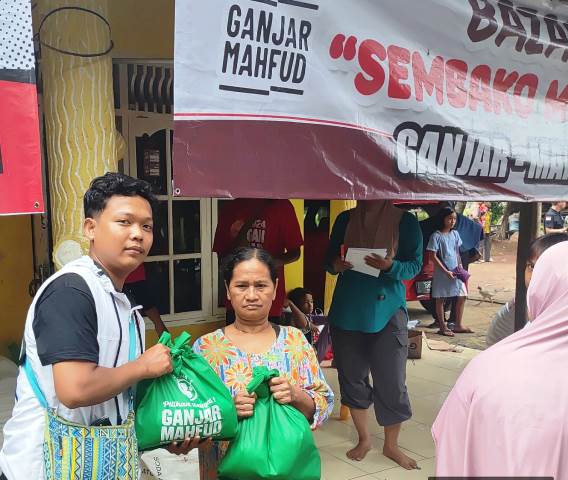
{"type": "Point", "coordinates": [414, 344]}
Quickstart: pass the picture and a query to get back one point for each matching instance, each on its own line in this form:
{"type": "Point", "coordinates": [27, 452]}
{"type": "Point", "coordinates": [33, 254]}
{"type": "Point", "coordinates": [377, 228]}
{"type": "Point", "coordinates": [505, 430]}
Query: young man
{"type": "Point", "coordinates": [268, 224]}
{"type": "Point", "coordinates": [553, 219]}
{"type": "Point", "coordinates": [76, 336]}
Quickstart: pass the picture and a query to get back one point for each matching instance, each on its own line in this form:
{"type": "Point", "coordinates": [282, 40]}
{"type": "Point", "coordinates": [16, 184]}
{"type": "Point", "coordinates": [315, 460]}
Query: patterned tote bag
{"type": "Point", "coordinates": [77, 452]}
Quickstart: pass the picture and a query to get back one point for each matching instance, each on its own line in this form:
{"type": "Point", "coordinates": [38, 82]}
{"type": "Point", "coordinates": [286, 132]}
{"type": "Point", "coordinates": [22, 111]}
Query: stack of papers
{"type": "Point", "coordinates": [356, 257]}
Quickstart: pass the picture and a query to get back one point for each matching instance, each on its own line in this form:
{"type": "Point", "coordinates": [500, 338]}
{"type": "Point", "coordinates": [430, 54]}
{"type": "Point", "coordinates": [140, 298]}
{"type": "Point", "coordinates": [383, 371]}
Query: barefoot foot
{"type": "Point", "coordinates": [462, 330]}
{"type": "Point", "coordinates": [360, 451]}
{"type": "Point", "coordinates": [396, 455]}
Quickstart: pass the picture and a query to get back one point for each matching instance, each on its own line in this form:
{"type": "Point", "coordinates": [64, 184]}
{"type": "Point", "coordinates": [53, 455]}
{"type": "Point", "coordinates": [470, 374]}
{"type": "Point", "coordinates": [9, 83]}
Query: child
{"type": "Point", "coordinates": [444, 248]}
{"type": "Point", "coordinates": [503, 324]}
{"type": "Point", "coordinates": [301, 302]}
{"type": "Point", "coordinates": [79, 326]}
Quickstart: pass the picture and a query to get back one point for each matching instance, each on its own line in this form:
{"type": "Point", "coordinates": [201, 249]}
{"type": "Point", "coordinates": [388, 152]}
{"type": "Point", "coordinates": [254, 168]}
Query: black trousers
{"type": "Point", "coordinates": [383, 356]}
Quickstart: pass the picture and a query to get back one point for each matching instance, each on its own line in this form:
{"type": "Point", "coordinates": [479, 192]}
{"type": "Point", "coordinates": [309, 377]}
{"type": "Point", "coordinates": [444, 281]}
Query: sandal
{"type": "Point", "coordinates": [445, 333]}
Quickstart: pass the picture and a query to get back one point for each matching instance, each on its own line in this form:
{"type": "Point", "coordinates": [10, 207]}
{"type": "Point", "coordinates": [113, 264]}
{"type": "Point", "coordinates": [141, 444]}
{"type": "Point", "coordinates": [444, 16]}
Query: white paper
{"type": "Point", "coordinates": [412, 324]}
{"type": "Point", "coordinates": [160, 464]}
{"type": "Point", "coordinates": [356, 257]}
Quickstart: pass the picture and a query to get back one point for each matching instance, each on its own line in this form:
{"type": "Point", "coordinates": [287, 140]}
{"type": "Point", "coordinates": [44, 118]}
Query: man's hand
{"type": "Point", "coordinates": [183, 448]}
{"type": "Point", "coordinates": [156, 361]}
{"type": "Point", "coordinates": [282, 390]}
{"type": "Point", "coordinates": [379, 262]}
{"type": "Point", "coordinates": [82, 384]}
{"type": "Point", "coordinates": [340, 265]}
{"type": "Point", "coordinates": [244, 402]}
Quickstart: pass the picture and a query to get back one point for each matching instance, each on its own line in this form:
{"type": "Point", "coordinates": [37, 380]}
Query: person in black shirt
{"type": "Point", "coordinates": [553, 219]}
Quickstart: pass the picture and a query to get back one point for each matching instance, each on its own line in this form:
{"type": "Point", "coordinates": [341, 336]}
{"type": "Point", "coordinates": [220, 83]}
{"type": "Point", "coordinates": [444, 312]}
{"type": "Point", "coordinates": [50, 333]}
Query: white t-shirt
{"type": "Point", "coordinates": [76, 319]}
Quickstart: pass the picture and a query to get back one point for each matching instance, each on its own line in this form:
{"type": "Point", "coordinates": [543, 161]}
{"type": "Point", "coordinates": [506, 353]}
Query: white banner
{"type": "Point", "coordinates": [453, 92]}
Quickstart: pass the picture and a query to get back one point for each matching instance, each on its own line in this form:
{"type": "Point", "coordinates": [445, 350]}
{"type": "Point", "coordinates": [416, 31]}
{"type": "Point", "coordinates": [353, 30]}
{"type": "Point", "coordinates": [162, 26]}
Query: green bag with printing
{"type": "Point", "coordinates": [275, 443]}
{"type": "Point", "coordinates": [191, 401]}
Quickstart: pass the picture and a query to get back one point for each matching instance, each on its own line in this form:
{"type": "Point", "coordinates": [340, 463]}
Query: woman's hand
{"type": "Point", "coordinates": [244, 402]}
{"type": "Point", "coordinates": [183, 448]}
{"type": "Point", "coordinates": [340, 265]}
{"type": "Point", "coordinates": [379, 262]}
{"type": "Point", "coordinates": [283, 391]}
{"type": "Point", "coordinates": [450, 274]}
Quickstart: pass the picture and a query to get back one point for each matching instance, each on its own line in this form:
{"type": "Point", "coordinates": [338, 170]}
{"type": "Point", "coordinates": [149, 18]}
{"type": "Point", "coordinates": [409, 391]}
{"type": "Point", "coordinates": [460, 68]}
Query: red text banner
{"type": "Point", "coordinates": [363, 99]}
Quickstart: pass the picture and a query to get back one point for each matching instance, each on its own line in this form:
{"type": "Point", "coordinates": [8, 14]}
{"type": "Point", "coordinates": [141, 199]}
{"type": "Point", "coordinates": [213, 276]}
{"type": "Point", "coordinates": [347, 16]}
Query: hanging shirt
{"type": "Point", "coordinates": [274, 228]}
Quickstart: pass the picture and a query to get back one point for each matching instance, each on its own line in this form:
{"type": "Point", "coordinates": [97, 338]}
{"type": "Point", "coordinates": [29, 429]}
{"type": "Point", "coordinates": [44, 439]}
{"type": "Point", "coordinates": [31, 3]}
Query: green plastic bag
{"type": "Point", "coordinates": [191, 401]}
{"type": "Point", "coordinates": [275, 443]}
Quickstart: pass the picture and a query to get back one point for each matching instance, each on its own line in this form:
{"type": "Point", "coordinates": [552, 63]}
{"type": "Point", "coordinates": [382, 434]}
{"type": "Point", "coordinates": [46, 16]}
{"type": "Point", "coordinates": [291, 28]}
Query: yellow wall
{"type": "Point", "coordinates": [142, 28]}
{"type": "Point", "coordinates": [294, 273]}
{"type": "Point", "coordinates": [16, 272]}
{"type": "Point", "coordinates": [337, 206]}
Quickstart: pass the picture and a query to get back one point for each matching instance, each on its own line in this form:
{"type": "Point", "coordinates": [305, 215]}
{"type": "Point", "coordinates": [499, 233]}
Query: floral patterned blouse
{"type": "Point", "coordinates": [290, 354]}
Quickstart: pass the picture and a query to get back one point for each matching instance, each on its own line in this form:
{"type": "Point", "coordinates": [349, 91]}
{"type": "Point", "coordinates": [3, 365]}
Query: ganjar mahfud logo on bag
{"type": "Point", "coordinates": [185, 386]}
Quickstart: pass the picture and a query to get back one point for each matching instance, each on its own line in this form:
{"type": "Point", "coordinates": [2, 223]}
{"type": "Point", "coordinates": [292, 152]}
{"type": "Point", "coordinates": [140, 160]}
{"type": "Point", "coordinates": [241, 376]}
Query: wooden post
{"type": "Point", "coordinates": [529, 229]}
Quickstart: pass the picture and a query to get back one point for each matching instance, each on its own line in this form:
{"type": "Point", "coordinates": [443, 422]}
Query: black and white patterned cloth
{"type": "Point", "coordinates": [16, 41]}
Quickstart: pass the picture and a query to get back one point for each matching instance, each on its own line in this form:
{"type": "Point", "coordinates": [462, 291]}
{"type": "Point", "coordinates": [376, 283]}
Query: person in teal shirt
{"type": "Point", "coordinates": [368, 319]}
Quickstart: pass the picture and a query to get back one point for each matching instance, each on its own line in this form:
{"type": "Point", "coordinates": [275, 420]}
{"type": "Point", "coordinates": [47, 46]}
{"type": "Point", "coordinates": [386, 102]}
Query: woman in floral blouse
{"type": "Point", "coordinates": [251, 279]}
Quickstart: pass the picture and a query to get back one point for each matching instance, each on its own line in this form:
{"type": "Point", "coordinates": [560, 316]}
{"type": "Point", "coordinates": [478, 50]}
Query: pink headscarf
{"type": "Point", "coordinates": [507, 415]}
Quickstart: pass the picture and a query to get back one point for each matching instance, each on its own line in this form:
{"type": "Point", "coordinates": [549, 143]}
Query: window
{"type": "Point", "coordinates": [179, 265]}
{"type": "Point", "coordinates": [181, 269]}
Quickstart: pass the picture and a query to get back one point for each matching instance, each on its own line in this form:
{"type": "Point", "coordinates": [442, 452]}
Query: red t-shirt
{"type": "Point", "coordinates": [275, 229]}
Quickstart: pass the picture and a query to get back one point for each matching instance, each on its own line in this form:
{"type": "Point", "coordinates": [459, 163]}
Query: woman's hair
{"type": "Point", "coordinates": [244, 254]}
{"type": "Point", "coordinates": [298, 294]}
{"type": "Point", "coordinates": [441, 216]}
{"type": "Point", "coordinates": [540, 244]}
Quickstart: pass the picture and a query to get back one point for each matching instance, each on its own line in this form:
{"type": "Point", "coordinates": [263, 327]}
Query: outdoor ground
{"type": "Point", "coordinates": [497, 277]}
{"type": "Point", "coordinates": [429, 381]}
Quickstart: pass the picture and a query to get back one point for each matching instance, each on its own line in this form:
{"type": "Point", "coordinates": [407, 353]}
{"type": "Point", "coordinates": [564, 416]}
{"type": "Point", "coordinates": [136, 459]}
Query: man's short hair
{"type": "Point", "coordinates": [111, 184]}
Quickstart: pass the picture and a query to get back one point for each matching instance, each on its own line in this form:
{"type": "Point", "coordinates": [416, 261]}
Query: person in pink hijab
{"type": "Point", "coordinates": [507, 415]}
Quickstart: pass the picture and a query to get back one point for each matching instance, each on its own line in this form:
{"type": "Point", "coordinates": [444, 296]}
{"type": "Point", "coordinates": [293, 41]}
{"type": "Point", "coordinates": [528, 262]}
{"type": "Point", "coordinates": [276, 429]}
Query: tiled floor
{"type": "Point", "coordinates": [429, 380]}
